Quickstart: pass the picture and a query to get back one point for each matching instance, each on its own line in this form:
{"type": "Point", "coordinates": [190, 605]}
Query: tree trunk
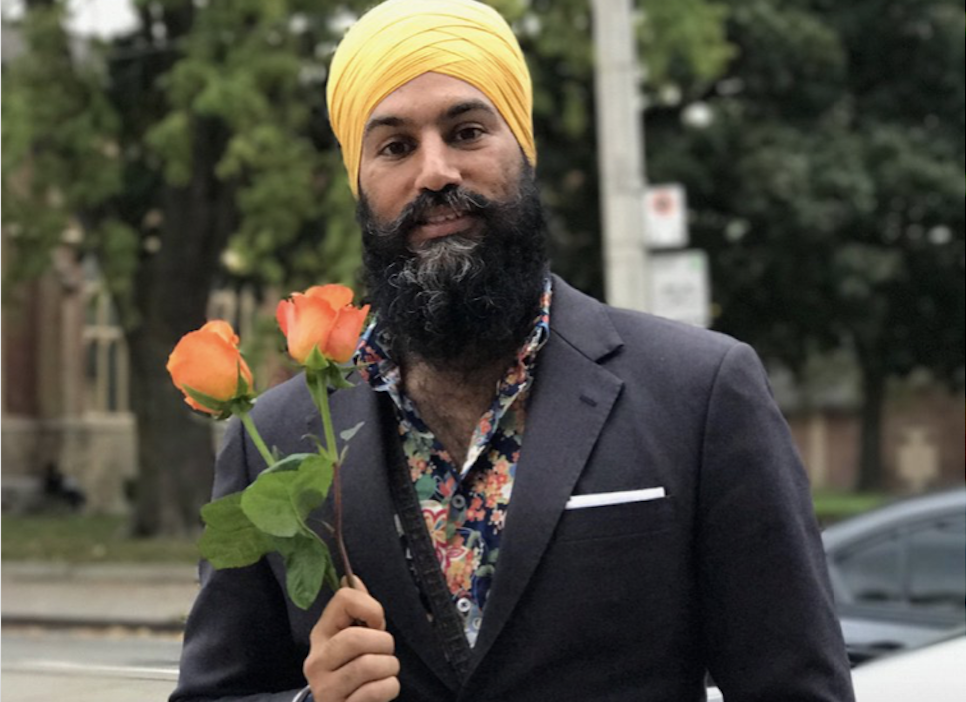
{"type": "Point", "coordinates": [175, 446]}
{"type": "Point", "coordinates": [870, 439]}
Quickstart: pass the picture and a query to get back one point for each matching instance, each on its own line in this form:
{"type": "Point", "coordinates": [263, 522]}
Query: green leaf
{"type": "Point", "coordinates": [315, 361]}
{"type": "Point", "coordinates": [207, 400]}
{"type": "Point", "coordinates": [230, 539]}
{"type": "Point", "coordinates": [239, 405]}
{"type": "Point", "coordinates": [308, 564]}
{"type": "Point", "coordinates": [347, 434]}
{"type": "Point", "coordinates": [291, 462]}
{"type": "Point", "coordinates": [317, 472]}
{"type": "Point", "coordinates": [278, 502]}
{"type": "Point", "coordinates": [331, 577]}
{"type": "Point", "coordinates": [335, 377]}
{"type": "Point", "coordinates": [242, 384]}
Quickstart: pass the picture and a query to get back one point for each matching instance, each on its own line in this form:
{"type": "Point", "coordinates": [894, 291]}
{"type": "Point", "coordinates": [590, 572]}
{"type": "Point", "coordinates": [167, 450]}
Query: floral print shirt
{"type": "Point", "coordinates": [464, 506]}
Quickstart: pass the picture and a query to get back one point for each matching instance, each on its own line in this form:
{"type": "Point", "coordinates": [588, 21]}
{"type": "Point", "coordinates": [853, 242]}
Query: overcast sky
{"type": "Point", "coordinates": [101, 18]}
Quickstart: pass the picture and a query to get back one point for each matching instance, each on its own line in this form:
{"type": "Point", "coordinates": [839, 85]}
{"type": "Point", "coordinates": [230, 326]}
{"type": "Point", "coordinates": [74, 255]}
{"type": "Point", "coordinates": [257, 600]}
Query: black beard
{"type": "Point", "coordinates": [458, 302]}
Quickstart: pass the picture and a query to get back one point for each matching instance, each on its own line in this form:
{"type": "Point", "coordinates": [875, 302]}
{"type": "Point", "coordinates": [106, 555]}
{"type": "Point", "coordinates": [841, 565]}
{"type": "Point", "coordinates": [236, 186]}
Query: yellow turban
{"type": "Point", "coordinates": [400, 40]}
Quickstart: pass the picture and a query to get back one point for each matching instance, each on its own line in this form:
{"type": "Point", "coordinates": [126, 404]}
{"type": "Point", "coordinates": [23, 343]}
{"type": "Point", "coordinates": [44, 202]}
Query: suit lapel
{"type": "Point", "coordinates": [371, 537]}
{"type": "Point", "coordinates": [572, 398]}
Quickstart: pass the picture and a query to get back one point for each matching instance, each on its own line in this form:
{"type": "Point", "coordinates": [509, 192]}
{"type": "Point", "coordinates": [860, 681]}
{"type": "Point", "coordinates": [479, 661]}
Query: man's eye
{"type": "Point", "coordinates": [395, 148]}
{"type": "Point", "coordinates": [468, 133]}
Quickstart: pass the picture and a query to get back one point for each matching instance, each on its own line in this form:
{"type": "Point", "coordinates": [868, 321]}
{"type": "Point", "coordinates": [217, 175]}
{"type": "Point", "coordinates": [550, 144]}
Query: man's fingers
{"type": "Point", "coordinates": [349, 607]}
{"type": "Point", "coordinates": [377, 691]}
{"type": "Point", "coordinates": [351, 655]}
{"type": "Point", "coordinates": [356, 642]}
{"type": "Point", "coordinates": [364, 671]}
{"type": "Point", "coordinates": [354, 661]}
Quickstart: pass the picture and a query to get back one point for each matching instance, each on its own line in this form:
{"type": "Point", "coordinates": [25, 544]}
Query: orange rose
{"type": "Point", "coordinates": [208, 362]}
{"type": "Point", "coordinates": [322, 317]}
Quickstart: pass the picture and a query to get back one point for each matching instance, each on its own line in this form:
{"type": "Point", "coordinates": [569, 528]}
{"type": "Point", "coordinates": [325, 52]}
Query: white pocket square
{"type": "Point", "coordinates": [602, 499]}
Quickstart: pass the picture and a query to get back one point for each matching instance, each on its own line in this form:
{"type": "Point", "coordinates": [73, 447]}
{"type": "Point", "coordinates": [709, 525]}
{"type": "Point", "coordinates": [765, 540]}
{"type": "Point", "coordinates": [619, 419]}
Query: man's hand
{"type": "Point", "coordinates": [348, 662]}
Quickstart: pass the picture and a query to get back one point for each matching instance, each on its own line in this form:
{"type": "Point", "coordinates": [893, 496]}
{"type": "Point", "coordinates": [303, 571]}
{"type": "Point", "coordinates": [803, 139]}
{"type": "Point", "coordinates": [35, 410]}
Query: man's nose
{"type": "Point", "coordinates": [437, 167]}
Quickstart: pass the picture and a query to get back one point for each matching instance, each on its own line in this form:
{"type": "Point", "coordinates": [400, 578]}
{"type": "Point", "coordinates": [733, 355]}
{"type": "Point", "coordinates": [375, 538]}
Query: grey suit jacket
{"type": "Point", "coordinates": [623, 602]}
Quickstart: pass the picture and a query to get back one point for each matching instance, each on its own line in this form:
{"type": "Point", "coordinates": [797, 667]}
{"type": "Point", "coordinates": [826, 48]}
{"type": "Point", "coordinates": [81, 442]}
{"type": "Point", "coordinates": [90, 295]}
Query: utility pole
{"type": "Point", "coordinates": [620, 153]}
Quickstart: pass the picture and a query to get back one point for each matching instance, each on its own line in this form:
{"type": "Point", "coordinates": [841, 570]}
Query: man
{"type": "Point", "coordinates": [550, 499]}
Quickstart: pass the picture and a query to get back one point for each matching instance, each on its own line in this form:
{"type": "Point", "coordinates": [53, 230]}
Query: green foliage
{"type": "Point", "coordinates": [279, 502]}
{"type": "Point", "coordinates": [308, 565]}
{"type": "Point", "coordinates": [683, 43]}
{"type": "Point", "coordinates": [120, 244]}
{"type": "Point", "coordinates": [230, 539]}
{"type": "Point", "coordinates": [230, 91]}
{"type": "Point", "coordinates": [60, 155]}
{"type": "Point", "coordinates": [171, 136]}
{"type": "Point", "coordinates": [827, 186]}
{"type": "Point", "coordinates": [271, 515]}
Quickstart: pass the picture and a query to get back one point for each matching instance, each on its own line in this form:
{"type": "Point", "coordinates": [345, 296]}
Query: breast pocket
{"type": "Point", "coordinates": [610, 521]}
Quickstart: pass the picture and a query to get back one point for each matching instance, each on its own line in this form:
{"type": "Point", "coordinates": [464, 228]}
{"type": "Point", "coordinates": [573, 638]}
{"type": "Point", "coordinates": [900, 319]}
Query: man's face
{"type": "Point", "coordinates": [452, 225]}
{"type": "Point", "coordinates": [433, 133]}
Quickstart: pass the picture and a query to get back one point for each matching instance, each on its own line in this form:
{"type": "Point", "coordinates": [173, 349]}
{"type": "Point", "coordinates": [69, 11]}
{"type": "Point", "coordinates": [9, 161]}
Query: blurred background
{"type": "Point", "coordinates": [791, 170]}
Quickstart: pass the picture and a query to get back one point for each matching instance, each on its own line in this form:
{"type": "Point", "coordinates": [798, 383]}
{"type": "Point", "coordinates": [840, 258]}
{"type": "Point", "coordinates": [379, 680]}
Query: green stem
{"type": "Point", "coordinates": [249, 425]}
{"type": "Point", "coordinates": [320, 395]}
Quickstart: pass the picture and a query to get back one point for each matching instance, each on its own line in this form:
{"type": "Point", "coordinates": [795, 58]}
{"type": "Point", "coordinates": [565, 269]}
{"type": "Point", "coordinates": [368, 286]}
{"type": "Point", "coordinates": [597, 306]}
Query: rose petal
{"type": "Point", "coordinates": [308, 325]}
{"type": "Point", "coordinates": [336, 295]}
{"type": "Point", "coordinates": [222, 329]}
{"type": "Point", "coordinates": [285, 315]}
{"type": "Point", "coordinates": [344, 338]}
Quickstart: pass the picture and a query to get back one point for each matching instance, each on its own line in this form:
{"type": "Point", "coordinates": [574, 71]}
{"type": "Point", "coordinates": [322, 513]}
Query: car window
{"type": "Point", "coordinates": [936, 560]}
{"type": "Point", "coordinates": [872, 572]}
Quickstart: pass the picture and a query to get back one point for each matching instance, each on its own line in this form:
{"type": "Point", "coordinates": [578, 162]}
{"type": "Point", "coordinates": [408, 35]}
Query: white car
{"type": "Point", "coordinates": [933, 673]}
{"type": "Point", "coordinates": [930, 674]}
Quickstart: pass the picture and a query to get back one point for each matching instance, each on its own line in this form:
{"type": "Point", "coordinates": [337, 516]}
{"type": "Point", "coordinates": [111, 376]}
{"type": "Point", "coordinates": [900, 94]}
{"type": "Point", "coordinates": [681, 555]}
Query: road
{"type": "Point", "coordinates": [121, 665]}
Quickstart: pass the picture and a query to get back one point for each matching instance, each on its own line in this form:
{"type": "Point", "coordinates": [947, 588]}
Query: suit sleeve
{"type": "Point", "coordinates": [771, 631]}
{"type": "Point", "coordinates": [238, 644]}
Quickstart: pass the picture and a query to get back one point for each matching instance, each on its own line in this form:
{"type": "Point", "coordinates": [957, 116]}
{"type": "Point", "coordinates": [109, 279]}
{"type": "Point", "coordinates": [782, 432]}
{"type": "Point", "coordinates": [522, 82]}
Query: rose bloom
{"type": "Point", "coordinates": [322, 317]}
{"type": "Point", "coordinates": [208, 362]}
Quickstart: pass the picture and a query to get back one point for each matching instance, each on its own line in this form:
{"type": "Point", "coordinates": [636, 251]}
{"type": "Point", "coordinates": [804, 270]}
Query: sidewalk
{"type": "Point", "coordinates": [152, 596]}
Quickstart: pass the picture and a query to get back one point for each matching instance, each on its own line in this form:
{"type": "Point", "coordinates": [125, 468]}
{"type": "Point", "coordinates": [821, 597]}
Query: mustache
{"type": "Point", "coordinates": [460, 200]}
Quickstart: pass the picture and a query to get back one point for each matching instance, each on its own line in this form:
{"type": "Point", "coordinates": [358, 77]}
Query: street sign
{"type": "Point", "coordinates": [680, 286]}
{"type": "Point", "coordinates": [665, 217]}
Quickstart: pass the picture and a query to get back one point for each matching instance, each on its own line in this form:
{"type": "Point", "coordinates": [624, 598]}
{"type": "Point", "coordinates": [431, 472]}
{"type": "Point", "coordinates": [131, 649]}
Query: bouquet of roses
{"type": "Point", "coordinates": [321, 328]}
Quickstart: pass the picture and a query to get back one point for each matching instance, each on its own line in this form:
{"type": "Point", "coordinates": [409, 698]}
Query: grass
{"type": "Point", "coordinates": [86, 539]}
{"type": "Point", "coordinates": [835, 506]}
{"type": "Point", "coordinates": [102, 539]}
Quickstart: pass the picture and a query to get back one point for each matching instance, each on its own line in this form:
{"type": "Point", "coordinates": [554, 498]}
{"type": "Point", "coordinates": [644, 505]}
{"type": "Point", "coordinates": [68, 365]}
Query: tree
{"type": "Point", "coordinates": [827, 187]}
{"type": "Point", "coordinates": [202, 132]}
